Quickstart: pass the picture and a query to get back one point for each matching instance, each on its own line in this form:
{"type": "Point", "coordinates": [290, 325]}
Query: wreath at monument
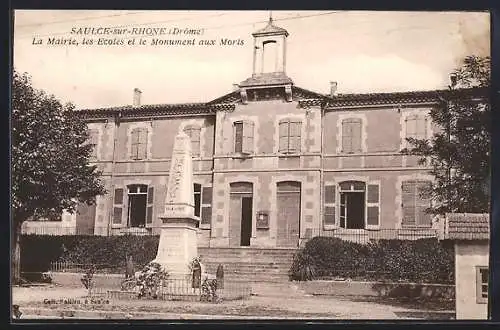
{"type": "Point", "coordinates": [150, 280]}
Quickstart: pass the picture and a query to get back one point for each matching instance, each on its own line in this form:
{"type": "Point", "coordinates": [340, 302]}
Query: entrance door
{"type": "Point", "coordinates": [246, 220]}
{"type": "Point", "coordinates": [240, 214]}
{"type": "Point", "coordinates": [288, 222]}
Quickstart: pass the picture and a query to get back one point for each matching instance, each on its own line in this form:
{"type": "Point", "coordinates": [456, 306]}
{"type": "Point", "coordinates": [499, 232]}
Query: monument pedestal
{"type": "Point", "coordinates": [177, 246]}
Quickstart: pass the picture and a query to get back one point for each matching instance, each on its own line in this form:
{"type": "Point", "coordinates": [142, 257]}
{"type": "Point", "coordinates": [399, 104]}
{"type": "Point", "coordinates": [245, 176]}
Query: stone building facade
{"type": "Point", "coordinates": [274, 164]}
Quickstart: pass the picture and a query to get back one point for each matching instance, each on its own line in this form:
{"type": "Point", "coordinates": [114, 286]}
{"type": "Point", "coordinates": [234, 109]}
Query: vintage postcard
{"type": "Point", "coordinates": [235, 165]}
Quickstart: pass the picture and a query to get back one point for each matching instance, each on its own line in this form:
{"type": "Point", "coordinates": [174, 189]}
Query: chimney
{"type": "Point", "coordinates": [137, 97]}
{"type": "Point", "coordinates": [333, 88]}
{"type": "Point", "coordinates": [236, 87]}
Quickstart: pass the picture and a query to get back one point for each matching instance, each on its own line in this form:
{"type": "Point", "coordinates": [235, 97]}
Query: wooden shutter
{"type": "Point", "coordinates": [94, 140]}
{"type": "Point", "coordinates": [150, 206]}
{"type": "Point", "coordinates": [408, 191]}
{"type": "Point", "coordinates": [134, 143]}
{"type": "Point", "coordinates": [206, 206]}
{"type": "Point", "coordinates": [356, 135]}
{"type": "Point", "coordinates": [143, 144]}
{"type": "Point", "coordinates": [411, 126]}
{"type": "Point", "coordinates": [346, 136]}
{"type": "Point", "coordinates": [294, 136]}
{"type": "Point", "coordinates": [118, 206]}
{"type": "Point", "coordinates": [194, 134]}
{"type": "Point", "coordinates": [329, 210]}
{"type": "Point", "coordinates": [373, 206]}
{"type": "Point", "coordinates": [248, 134]}
{"type": "Point", "coordinates": [422, 202]}
{"type": "Point", "coordinates": [421, 128]}
{"type": "Point", "coordinates": [283, 136]}
{"type": "Point", "coordinates": [238, 136]}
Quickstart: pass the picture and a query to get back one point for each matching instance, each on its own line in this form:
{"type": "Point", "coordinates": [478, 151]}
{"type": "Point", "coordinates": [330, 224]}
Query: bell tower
{"type": "Point", "coordinates": [269, 51]}
{"type": "Point", "coordinates": [269, 79]}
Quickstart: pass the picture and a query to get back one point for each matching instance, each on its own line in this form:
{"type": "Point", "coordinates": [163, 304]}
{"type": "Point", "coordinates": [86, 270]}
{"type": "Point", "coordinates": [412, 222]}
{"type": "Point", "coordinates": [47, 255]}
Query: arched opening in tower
{"type": "Point", "coordinates": [269, 56]}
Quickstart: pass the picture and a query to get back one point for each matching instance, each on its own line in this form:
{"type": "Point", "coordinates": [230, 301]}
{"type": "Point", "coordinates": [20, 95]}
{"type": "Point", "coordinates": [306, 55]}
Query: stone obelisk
{"type": "Point", "coordinates": [178, 246]}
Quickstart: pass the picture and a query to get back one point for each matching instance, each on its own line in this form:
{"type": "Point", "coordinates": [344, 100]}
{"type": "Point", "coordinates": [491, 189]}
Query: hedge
{"type": "Point", "coordinates": [39, 251]}
{"type": "Point", "coordinates": [418, 261]}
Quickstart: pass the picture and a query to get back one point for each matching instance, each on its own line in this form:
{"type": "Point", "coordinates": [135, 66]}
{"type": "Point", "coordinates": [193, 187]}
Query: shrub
{"type": "Point", "coordinates": [38, 251]}
{"type": "Point", "coordinates": [421, 261]}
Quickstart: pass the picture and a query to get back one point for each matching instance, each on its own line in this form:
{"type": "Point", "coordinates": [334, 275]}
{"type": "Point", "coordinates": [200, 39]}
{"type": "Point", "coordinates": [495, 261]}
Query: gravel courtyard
{"type": "Point", "coordinates": [282, 300]}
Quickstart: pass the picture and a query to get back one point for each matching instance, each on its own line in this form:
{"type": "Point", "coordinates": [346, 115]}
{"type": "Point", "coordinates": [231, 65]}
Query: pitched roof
{"type": "Point", "coordinates": [430, 96]}
{"type": "Point", "coordinates": [153, 109]}
{"type": "Point", "coordinates": [467, 226]}
{"type": "Point", "coordinates": [270, 29]}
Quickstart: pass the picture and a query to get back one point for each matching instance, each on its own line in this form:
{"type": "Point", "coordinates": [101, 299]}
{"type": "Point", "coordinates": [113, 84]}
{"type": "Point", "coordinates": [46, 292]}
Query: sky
{"type": "Point", "coordinates": [363, 51]}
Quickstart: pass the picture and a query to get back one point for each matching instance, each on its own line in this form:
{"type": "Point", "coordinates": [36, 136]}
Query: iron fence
{"type": "Point", "coordinates": [353, 235]}
{"type": "Point", "coordinates": [363, 236]}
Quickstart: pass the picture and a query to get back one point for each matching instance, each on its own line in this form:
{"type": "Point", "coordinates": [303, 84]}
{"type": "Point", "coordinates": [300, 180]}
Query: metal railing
{"type": "Point", "coordinates": [363, 236]}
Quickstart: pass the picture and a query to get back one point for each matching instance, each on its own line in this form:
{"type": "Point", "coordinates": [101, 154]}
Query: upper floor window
{"type": "Point", "coordinates": [351, 135]}
{"type": "Point", "coordinates": [416, 127]}
{"type": "Point", "coordinates": [194, 134]}
{"type": "Point", "coordinates": [289, 136]}
{"type": "Point", "coordinates": [139, 143]}
{"type": "Point", "coordinates": [94, 140]}
{"type": "Point", "coordinates": [243, 137]}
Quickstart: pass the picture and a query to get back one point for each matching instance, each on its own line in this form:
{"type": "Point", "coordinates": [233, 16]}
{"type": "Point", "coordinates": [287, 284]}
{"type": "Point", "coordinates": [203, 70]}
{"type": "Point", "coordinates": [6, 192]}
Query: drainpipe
{"type": "Point", "coordinates": [321, 174]}
{"type": "Point", "coordinates": [115, 134]}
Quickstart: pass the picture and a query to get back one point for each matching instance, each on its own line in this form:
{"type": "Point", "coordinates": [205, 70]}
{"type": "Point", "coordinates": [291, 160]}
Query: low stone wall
{"type": "Point", "coordinates": [110, 281]}
{"type": "Point", "coordinates": [377, 289]}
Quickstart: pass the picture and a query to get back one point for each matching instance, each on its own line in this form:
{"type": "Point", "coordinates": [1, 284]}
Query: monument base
{"type": "Point", "coordinates": [177, 246]}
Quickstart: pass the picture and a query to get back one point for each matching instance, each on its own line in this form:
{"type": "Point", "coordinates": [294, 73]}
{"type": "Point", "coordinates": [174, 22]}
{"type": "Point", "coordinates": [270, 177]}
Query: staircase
{"type": "Point", "coordinates": [249, 264]}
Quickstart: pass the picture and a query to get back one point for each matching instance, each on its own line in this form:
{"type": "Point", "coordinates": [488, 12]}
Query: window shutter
{"type": "Point", "coordinates": [294, 136]}
{"type": "Point", "coordinates": [238, 137]}
{"type": "Point", "coordinates": [195, 141]}
{"type": "Point", "coordinates": [194, 134]}
{"type": "Point", "coordinates": [93, 140]}
{"type": "Point", "coordinates": [408, 190]}
{"type": "Point", "coordinates": [283, 136]}
{"type": "Point", "coordinates": [330, 194]}
{"type": "Point", "coordinates": [248, 133]}
{"type": "Point", "coordinates": [206, 206]}
{"type": "Point", "coordinates": [373, 206]}
{"type": "Point", "coordinates": [356, 135]}
{"type": "Point", "coordinates": [143, 144]}
{"type": "Point", "coordinates": [134, 143]}
{"type": "Point", "coordinates": [118, 206]}
{"type": "Point", "coordinates": [411, 127]}
{"type": "Point", "coordinates": [150, 206]}
{"type": "Point", "coordinates": [329, 215]}
{"type": "Point", "coordinates": [329, 211]}
{"type": "Point", "coordinates": [346, 136]}
{"type": "Point", "coordinates": [422, 203]}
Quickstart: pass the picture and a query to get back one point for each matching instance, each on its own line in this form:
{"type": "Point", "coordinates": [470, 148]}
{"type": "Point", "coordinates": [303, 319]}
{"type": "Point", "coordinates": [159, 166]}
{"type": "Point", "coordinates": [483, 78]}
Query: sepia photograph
{"type": "Point", "coordinates": [250, 165]}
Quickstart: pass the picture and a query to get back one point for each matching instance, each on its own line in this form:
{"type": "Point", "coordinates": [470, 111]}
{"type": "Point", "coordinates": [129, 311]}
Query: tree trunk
{"type": "Point", "coordinates": [16, 253]}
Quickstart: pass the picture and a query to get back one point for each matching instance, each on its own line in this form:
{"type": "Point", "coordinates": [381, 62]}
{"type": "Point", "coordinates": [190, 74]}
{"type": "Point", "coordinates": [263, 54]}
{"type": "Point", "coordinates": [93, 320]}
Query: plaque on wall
{"type": "Point", "coordinates": [262, 220]}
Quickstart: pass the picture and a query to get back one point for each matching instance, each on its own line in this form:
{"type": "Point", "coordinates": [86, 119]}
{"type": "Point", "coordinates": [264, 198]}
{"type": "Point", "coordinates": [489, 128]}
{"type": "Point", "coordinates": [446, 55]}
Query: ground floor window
{"type": "Point", "coordinates": [415, 202]}
{"type": "Point", "coordinates": [482, 277]}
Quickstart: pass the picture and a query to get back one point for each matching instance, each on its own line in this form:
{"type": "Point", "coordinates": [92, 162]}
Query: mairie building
{"type": "Point", "coordinates": [274, 164]}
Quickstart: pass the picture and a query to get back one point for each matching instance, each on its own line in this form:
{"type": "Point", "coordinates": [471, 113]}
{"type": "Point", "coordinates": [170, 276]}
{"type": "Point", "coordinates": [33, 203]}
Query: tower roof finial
{"type": "Point", "coordinates": [270, 17]}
